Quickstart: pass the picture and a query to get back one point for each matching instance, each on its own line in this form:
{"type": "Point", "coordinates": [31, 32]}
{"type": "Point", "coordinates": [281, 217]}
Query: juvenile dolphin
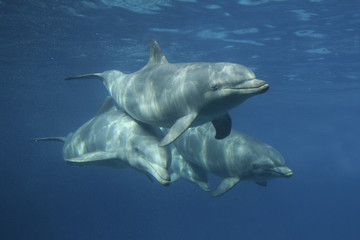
{"type": "Point", "coordinates": [113, 139]}
{"type": "Point", "coordinates": [180, 168]}
{"type": "Point", "coordinates": [238, 157]}
{"type": "Point", "coordinates": [182, 95]}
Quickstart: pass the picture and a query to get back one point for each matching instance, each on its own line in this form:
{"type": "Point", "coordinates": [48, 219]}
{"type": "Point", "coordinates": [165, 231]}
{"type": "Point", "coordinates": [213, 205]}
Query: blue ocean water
{"type": "Point", "coordinates": [308, 51]}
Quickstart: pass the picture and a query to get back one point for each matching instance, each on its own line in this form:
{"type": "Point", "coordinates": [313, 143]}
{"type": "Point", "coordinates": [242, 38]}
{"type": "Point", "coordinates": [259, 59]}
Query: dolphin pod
{"type": "Point", "coordinates": [181, 95]}
{"type": "Point", "coordinates": [171, 121]}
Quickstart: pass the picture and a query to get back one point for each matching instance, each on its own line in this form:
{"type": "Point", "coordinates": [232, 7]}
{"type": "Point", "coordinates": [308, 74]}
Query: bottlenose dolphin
{"type": "Point", "coordinates": [239, 157]}
{"type": "Point", "coordinates": [181, 95]}
{"type": "Point", "coordinates": [113, 139]}
{"type": "Point", "coordinates": [180, 168]}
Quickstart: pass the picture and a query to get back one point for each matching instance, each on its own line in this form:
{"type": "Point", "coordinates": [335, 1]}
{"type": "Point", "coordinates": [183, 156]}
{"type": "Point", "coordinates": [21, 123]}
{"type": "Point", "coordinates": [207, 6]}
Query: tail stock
{"type": "Point", "coordinates": [57, 139]}
{"type": "Point", "coordinates": [87, 76]}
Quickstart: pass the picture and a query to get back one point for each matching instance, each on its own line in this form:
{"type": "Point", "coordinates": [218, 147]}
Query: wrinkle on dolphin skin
{"type": "Point", "coordinates": [181, 95]}
{"type": "Point", "coordinates": [113, 139]}
{"type": "Point", "coordinates": [238, 157]}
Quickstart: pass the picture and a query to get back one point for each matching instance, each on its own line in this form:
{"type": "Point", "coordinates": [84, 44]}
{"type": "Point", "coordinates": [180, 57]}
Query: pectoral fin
{"type": "Point", "coordinates": [93, 156]}
{"type": "Point", "coordinates": [149, 177]}
{"type": "Point", "coordinates": [178, 128]}
{"type": "Point", "coordinates": [174, 177]}
{"type": "Point", "coordinates": [100, 158]}
{"type": "Point", "coordinates": [198, 176]}
{"type": "Point", "coordinates": [263, 184]}
{"type": "Point", "coordinates": [225, 186]}
{"type": "Point", "coordinates": [222, 126]}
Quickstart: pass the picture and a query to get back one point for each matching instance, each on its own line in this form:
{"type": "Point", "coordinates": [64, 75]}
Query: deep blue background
{"type": "Point", "coordinates": [309, 53]}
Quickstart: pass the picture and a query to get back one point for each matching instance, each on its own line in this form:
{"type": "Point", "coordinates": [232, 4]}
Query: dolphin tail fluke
{"type": "Point", "coordinates": [87, 76]}
{"type": "Point", "coordinates": [57, 139]}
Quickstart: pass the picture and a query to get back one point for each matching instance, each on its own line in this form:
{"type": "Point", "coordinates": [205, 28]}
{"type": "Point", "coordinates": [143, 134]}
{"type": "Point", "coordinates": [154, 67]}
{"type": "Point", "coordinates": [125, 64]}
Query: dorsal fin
{"type": "Point", "coordinates": [156, 55]}
{"type": "Point", "coordinates": [108, 105]}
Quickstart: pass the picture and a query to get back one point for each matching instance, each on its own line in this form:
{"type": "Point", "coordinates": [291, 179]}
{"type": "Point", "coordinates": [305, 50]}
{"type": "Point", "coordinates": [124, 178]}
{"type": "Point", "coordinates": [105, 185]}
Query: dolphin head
{"type": "Point", "coordinates": [269, 165]}
{"type": "Point", "coordinates": [148, 157]}
{"type": "Point", "coordinates": [233, 82]}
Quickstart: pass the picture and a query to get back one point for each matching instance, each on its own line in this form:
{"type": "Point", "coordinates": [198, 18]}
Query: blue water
{"type": "Point", "coordinates": [308, 51]}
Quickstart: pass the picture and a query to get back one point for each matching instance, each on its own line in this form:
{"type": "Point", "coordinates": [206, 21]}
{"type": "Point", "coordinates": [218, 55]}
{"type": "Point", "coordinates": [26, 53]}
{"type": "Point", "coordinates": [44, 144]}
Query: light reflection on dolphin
{"type": "Point", "coordinates": [239, 157]}
{"type": "Point", "coordinates": [182, 95]}
{"type": "Point", "coordinates": [113, 139]}
{"type": "Point", "coordinates": [181, 168]}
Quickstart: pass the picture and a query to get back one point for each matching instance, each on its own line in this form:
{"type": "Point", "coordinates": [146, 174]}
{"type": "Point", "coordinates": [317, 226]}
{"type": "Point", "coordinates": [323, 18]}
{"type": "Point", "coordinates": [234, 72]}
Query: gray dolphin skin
{"type": "Point", "coordinates": [183, 169]}
{"type": "Point", "coordinates": [113, 139]}
{"type": "Point", "coordinates": [239, 157]}
{"type": "Point", "coordinates": [181, 95]}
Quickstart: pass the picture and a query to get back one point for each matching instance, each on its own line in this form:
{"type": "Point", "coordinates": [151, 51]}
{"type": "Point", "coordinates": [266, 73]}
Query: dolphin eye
{"type": "Point", "coordinates": [136, 149]}
{"type": "Point", "coordinates": [214, 87]}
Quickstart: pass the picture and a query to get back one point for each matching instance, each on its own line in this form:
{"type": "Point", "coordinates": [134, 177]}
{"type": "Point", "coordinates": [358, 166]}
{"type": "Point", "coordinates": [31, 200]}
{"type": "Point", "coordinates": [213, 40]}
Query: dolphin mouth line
{"type": "Point", "coordinates": [282, 174]}
{"type": "Point", "coordinates": [261, 88]}
{"type": "Point", "coordinates": [166, 181]}
{"type": "Point", "coordinates": [266, 85]}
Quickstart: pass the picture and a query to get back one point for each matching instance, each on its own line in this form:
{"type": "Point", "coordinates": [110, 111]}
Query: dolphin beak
{"type": "Point", "coordinates": [263, 89]}
{"type": "Point", "coordinates": [283, 171]}
{"type": "Point", "coordinates": [260, 85]}
{"type": "Point", "coordinates": [253, 86]}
